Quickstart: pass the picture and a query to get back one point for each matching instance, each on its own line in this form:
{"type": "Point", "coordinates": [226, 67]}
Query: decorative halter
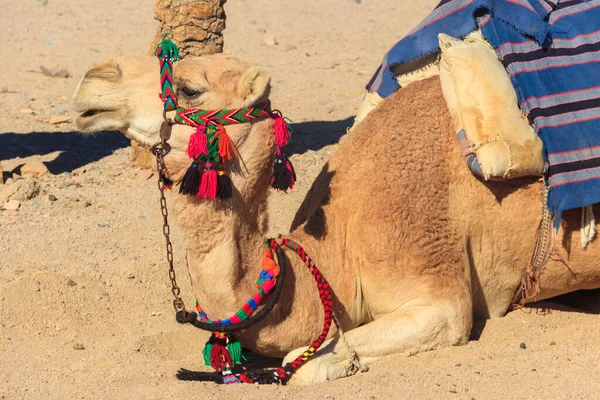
{"type": "Point", "coordinates": [210, 145]}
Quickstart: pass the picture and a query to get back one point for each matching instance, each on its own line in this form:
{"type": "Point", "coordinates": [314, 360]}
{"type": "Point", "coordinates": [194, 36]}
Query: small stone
{"type": "Point", "coordinates": [79, 171]}
{"type": "Point", "coordinates": [155, 313]}
{"type": "Point", "coordinates": [290, 47]}
{"type": "Point", "coordinates": [102, 225]}
{"type": "Point", "coordinates": [131, 276]}
{"type": "Point", "coordinates": [87, 204]}
{"type": "Point", "coordinates": [52, 197]}
{"type": "Point", "coordinates": [27, 190]}
{"type": "Point", "coordinates": [146, 174]}
{"type": "Point", "coordinates": [58, 119]}
{"type": "Point", "coordinates": [12, 205]}
{"type": "Point", "coordinates": [270, 40]}
{"type": "Point", "coordinates": [35, 168]}
{"type": "Point", "coordinates": [553, 343]}
{"type": "Point", "coordinates": [27, 111]}
{"type": "Point", "coordinates": [78, 346]}
{"type": "Point", "coordinates": [59, 110]}
{"type": "Point", "coordinates": [71, 283]}
{"type": "Point", "coordinates": [523, 346]}
{"type": "Point", "coordinates": [55, 73]}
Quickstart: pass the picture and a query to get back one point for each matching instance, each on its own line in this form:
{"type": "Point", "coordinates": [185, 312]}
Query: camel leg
{"type": "Point", "coordinates": [408, 330]}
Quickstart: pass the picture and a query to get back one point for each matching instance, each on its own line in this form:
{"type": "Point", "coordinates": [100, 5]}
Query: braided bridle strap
{"type": "Point", "coordinates": [196, 117]}
{"type": "Point", "coordinates": [281, 374]}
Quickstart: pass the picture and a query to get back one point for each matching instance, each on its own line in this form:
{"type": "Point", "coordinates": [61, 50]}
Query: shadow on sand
{"type": "Point", "coordinates": [76, 149]}
{"type": "Point", "coordinates": [315, 135]}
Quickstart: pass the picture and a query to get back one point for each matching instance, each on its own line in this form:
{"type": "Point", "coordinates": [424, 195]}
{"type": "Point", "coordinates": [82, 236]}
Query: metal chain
{"type": "Point", "coordinates": [160, 150]}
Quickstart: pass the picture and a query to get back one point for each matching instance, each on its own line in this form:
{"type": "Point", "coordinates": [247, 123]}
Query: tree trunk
{"type": "Point", "coordinates": [196, 26]}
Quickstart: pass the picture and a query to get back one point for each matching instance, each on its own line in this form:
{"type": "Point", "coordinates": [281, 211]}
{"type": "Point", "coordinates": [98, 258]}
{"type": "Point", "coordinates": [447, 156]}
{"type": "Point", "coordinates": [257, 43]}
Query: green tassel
{"type": "Point", "coordinates": [169, 49]}
{"type": "Point", "coordinates": [234, 347]}
{"type": "Point", "coordinates": [206, 353]}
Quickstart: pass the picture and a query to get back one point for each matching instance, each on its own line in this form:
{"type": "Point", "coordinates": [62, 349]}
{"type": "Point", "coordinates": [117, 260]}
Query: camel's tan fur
{"type": "Point", "coordinates": [413, 245]}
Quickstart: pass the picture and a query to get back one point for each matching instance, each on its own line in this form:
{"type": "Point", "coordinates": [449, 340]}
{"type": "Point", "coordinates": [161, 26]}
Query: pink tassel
{"type": "Point", "coordinates": [198, 143]}
{"type": "Point", "coordinates": [282, 131]}
{"type": "Point", "coordinates": [208, 186]}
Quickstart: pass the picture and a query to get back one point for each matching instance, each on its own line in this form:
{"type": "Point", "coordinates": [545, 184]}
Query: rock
{"type": "Point", "coordinates": [79, 171]}
{"type": "Point", "coordinates": [52, 197]}
{"type": "Point", "coordinates": [59, 110]}
{"type": "Point", "coordinates": [27, 111]}
{"type": "Point", "coordinates": [270, 40]}
{"type": "Point", "coordinates": [59, 119]}
{"type": "Point", "coordinates": [78, 346]}
{"type": "Point", "coordinates": [146, 174]}
{"type": "Point", "coordinates": [553, 343]}
{"type": "Point", "coordinates": [55, 73]}
{"type": "Point", "coordinates": [523, 346]}
{"type": "Point", "coordinates": [6, 191]}
{"type": "Point", "coordinates": [27, 190]}
{"type": "Point", "coordinates": [35, 168]}
{"type": "Point", "coordinates": [71, 283]}
{"type": "Point", "coordinates": [12, 205]}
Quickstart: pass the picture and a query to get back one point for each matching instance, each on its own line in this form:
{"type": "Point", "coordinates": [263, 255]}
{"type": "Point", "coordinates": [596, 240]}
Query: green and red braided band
{"type": "Point", "coordinates": [197, 117]}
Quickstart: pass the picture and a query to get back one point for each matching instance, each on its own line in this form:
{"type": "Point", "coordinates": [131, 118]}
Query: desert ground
{"type": "Point", "coordinates": [85, 306]}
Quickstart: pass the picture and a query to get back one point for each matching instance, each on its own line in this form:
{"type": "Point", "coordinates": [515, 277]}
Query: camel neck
{"type": "Point", "coordinates": [225, 239]}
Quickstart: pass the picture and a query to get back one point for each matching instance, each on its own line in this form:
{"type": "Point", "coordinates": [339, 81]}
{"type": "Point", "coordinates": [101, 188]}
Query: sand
{"type": "Point", "coordinates": [85, 307]}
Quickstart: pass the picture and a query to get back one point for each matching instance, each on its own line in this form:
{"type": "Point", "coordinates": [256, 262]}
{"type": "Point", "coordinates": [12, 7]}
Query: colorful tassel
{"type": "Point", "coordinates": [284, 176]}
{"type": "Point", "coordinates": [198, 144]}
{"type": "Point", "coordinates": [282, 129]}
{"type": "Point", "coordinates": [234, 347]}
{"type": "Point", "coordinates": [191, 180]}
{"type": "Point", "coordinates": [225, 185]}
{"type": "Point", "coordinates": [219, 356]}
{"type": "Point", "coordinates": [226, 146]}
{"type": "Point", "coordinates": [208, 185]}
{"type": "Point", "coordinates": [167, 49]}
{"type": "Point", "coordinates": [208, 349]}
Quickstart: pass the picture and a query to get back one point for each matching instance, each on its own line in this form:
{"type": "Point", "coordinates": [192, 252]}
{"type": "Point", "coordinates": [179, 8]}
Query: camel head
{"type": "Point", "coordinates": [123, 93]}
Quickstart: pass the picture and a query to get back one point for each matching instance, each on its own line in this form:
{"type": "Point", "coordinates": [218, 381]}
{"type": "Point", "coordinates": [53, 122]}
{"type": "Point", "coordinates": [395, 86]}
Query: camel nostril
{"type": "Point", "coordinates": [106, 72]}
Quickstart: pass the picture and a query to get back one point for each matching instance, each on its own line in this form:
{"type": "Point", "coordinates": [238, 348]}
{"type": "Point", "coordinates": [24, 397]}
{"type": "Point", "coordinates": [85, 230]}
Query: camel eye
{"type": "Point", "coordinates": [190, 93]}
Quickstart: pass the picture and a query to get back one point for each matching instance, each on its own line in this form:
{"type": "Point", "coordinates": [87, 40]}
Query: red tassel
{"type": "Point", "coordinates": [198, 143]}
{"type": "Point", "coordinates": [208, 186]}
{"type": "Point", "coordinates": [282, 130]}
{"type": "Point", "coordinates": [219, 357]}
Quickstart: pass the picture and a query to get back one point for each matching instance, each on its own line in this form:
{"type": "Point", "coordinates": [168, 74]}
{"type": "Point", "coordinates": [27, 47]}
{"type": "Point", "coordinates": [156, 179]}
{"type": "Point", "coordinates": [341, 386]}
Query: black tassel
{"type": "Point", "coordinates": [190, 183]}
{"type": "Point", "coordinates": [284, 177]}
{"type": "Point", "coordinates": [225, 189]}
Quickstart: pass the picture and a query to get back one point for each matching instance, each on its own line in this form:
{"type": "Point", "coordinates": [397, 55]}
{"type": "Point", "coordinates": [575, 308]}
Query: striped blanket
{"type": "Point", "coordinates": [551, 50]}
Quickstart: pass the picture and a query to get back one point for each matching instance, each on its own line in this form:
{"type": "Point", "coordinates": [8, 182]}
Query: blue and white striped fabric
{"type": "Point", "coordinates": [551, 50]}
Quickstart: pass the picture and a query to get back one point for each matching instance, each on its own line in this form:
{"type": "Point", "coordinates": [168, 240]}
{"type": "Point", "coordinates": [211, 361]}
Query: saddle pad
{"type": "Point", "coordinates": [497, 142]}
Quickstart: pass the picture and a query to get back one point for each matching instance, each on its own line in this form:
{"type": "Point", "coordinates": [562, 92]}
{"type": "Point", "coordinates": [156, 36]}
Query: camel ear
{"type": "Point", "coordinates": [255, 84]}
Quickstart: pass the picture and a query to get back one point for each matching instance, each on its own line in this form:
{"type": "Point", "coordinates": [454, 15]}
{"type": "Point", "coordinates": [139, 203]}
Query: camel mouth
{"type": "Point", "coordinates": [91, 113]}
{"type": "Point", "coordinates": [95, 119]}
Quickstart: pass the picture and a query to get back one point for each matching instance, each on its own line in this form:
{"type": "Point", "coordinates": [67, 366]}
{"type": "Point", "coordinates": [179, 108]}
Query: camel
{"type": "Point", "coordinates": [415, 248]}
